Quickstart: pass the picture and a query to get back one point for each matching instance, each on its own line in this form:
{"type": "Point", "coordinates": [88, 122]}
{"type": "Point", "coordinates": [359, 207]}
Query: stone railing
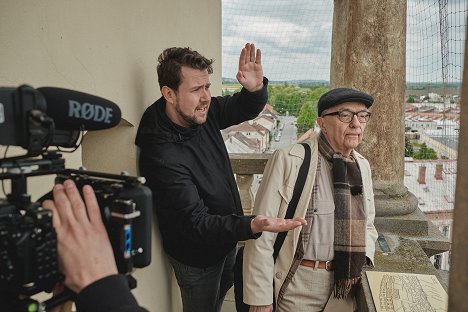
{"type": "Point", "coordinates": [245, 166]}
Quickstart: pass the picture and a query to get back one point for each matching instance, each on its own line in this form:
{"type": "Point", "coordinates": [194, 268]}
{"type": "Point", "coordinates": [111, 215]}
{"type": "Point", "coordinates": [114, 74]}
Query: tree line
{"type": "Point", "coordinates": [299, 100]}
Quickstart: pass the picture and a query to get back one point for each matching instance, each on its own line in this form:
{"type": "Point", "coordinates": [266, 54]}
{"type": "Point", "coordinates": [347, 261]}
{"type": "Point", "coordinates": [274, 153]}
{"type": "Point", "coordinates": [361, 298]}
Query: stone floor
{"type": "Point", "coordinates": [229, 304]}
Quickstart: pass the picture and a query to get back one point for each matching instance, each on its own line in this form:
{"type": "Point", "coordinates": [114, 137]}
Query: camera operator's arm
{"type": "Point", "coordinates": [85, 253]}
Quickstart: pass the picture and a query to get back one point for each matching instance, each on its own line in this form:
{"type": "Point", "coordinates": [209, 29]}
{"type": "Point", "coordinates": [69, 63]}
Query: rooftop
{"type": "Point", "coordinates": [435, 195]}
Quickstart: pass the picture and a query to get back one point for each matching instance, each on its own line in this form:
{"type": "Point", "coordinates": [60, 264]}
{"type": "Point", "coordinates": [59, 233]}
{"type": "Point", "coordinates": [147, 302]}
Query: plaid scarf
{"type": "Point", "coordinates": [350, 219]}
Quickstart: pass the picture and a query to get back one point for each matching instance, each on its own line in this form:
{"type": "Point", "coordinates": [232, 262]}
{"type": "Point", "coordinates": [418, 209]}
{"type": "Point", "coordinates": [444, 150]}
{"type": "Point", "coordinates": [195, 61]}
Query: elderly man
{"type": "Point", "coordinates": [319, 264]}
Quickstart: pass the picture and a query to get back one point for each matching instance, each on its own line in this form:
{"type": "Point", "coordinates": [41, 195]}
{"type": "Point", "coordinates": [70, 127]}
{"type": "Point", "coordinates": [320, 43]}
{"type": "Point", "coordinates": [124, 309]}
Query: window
{"type": "Point", "coordinates": [438, 261]}
{"type": "Point", "coordinates": [445, 230]}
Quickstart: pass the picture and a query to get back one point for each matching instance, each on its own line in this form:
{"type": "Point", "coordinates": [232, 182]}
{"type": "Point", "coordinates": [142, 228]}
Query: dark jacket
{"type": "Point", "coordinates": [195, 194]}
{"type": "Point", "coordinates": [109, 294]}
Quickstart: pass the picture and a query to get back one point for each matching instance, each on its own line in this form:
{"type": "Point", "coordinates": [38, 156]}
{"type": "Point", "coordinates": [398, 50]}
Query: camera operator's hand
{"type": "Point", "coordinates": [84, 250]}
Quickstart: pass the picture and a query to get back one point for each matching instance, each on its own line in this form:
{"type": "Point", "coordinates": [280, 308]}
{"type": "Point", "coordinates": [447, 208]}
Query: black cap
{"type": "Point", "coordinates": [342, 95]}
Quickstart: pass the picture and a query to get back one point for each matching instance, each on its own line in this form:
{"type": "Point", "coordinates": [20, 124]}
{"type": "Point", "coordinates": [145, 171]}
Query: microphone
{"type": "Point", "coordinates": [72, 110]}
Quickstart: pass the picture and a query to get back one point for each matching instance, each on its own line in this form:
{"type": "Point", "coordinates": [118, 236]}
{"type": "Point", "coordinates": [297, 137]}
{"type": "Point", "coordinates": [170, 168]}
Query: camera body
{"type": "Point", "coordinates": [28, 242]}
{"type": "Point", "coordinates": [126, 210]}
{"type": "Point", "coordinates": [28, 252]}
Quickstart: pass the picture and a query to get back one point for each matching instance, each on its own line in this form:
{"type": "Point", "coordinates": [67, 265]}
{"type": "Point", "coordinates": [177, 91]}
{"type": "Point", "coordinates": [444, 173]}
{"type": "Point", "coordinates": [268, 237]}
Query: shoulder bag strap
{"type": "Point", "coordinates": [298, 187]}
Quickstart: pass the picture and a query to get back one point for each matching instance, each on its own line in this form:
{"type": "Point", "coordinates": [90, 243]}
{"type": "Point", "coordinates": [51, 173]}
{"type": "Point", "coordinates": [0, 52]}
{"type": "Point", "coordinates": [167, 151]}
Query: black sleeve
{"type": "Point", "coordinates": [180, 209]}
{"type": "Point", "coordinates": [109, 294]}
{"type": "Point", "coordinates": [242, 106]}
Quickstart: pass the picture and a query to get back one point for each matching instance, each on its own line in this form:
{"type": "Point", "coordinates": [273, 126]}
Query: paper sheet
{"type": "Point", "coordinates": [405, 292]}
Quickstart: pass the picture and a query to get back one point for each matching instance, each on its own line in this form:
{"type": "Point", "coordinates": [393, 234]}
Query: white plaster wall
{"type": "Point", "coordinates": [108, 48]}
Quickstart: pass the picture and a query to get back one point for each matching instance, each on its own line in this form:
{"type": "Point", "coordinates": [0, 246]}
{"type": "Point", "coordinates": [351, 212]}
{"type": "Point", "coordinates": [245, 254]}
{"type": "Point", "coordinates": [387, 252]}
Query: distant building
{"type": "Point", "coordinates": [410, 108]}
{"type": "Point", "coordinates": [269, 111]}
{"type": "Point", "coordinates": [434, 97]}
{"type": "Point", "coordinates": [265, 132]}
{"type": "Point", "coordinates": [420, 123]}
{"type": "Point", "coordinates": [436, 124]}
{"type": "Point", "coordinates": [240, 144]}
{"type": "Point", "coordinates": [433, 183]}
{"type": "Point", "coordinates": [444, 141]}
{"type": "Point", "coordinates": [266, 121]}
{"type": "Point", "coordinates": [427, 109]}
{"type": "Point", "coordinates": [250, 132]}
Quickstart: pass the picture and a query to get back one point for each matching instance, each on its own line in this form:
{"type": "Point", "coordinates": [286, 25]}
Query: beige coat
{"type": "Point", "coordinates": [273, 196]}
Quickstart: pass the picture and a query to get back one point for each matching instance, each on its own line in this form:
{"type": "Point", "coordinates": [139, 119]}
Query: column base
{"type": "Point", "coordinates": [393, 199]}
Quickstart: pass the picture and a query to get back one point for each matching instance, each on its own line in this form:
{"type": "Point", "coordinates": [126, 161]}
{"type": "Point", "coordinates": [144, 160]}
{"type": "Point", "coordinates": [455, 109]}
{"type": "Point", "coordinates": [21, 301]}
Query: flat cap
{"type": "Point", "coordinates": [342, 95]}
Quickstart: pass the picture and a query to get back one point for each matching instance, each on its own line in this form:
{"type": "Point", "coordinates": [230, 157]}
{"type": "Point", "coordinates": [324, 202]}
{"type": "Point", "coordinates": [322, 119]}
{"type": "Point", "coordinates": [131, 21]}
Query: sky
{"type": "Point", "coordinates": [295, 38]}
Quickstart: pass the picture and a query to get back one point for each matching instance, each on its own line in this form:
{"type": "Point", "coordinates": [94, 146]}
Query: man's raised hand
{"type": "Point", "coordinates": [250, 72]}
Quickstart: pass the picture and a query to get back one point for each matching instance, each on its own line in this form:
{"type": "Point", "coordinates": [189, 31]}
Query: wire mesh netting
{"type": "Point", "coordinates": [294, 36]}
{"type": "Point", "coordinates": [295, 39]}
{"type": "Point", "coordinates": [436, 33]}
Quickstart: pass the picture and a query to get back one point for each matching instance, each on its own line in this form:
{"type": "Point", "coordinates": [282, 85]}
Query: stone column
{"type": "Point", "coordinates": [459, 265]}
{"type": "Point", "coordinates": [368, 53]}
{"type": "Point", "coordinates": [244, 181]}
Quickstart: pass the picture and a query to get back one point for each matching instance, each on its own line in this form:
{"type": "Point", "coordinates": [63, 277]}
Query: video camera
{"type": "Point", "coordinates": [36, 119]}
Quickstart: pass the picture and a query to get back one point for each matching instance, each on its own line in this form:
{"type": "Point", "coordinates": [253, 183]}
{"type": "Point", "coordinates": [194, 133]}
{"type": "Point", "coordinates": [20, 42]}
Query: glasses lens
{"type": "Point", "coordinates": [363, 116]}
{"type": "Point", "coordinates": [346, 116]}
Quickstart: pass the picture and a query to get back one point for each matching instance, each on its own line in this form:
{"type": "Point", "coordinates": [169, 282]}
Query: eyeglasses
{"type": "Point", "coordinates": [347, 115]}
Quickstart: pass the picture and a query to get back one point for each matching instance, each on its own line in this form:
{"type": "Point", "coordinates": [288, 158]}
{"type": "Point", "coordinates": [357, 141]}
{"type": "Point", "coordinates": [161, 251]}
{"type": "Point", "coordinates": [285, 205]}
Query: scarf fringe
{"type": "Point", "coordinates": [343, 287]}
